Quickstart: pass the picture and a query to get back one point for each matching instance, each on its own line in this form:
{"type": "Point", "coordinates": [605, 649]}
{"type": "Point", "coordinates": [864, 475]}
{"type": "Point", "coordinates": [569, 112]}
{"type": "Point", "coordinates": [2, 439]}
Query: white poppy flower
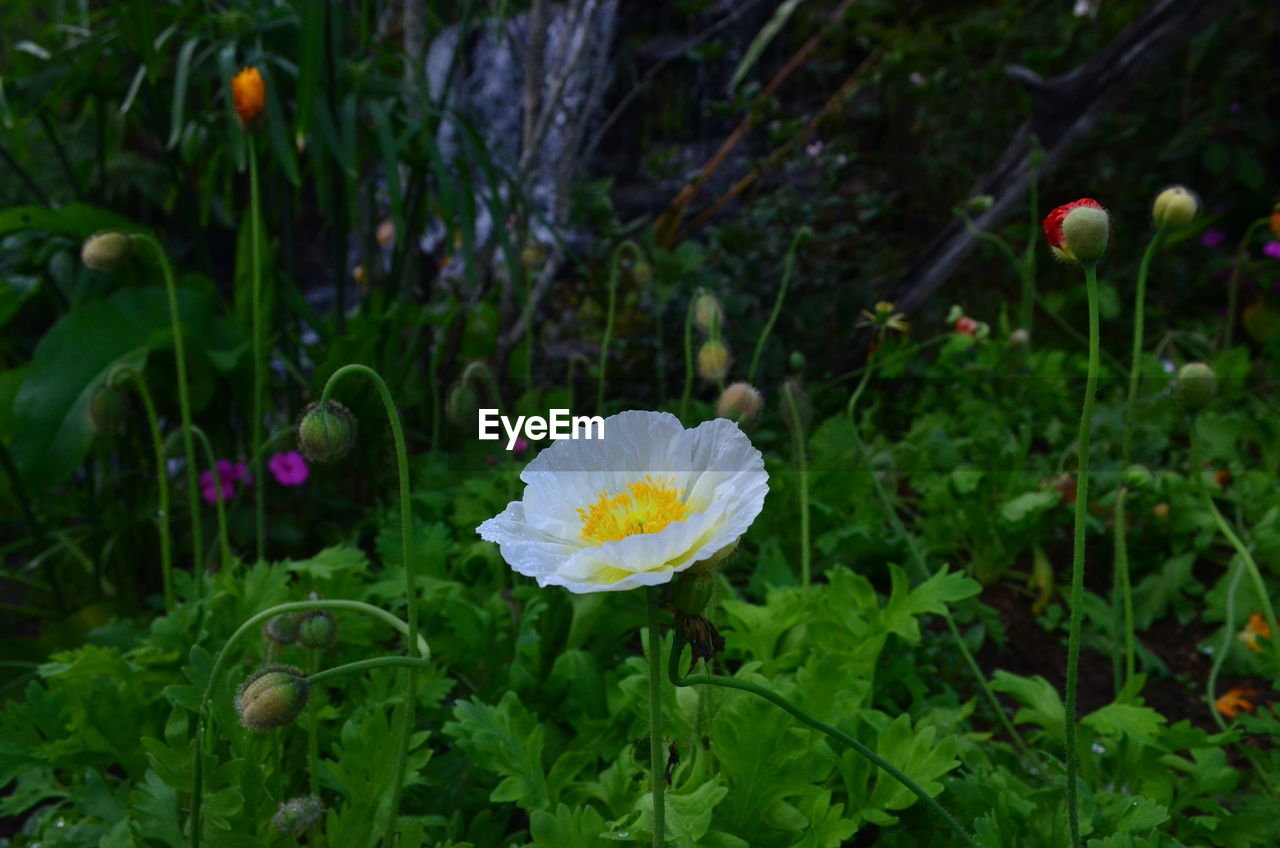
{"type": "Point", "coordinates": [648, 500]}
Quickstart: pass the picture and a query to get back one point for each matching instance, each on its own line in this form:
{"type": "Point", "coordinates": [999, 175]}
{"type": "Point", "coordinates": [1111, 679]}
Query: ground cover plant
{"type": "Point", "coordinates": [525, 425]}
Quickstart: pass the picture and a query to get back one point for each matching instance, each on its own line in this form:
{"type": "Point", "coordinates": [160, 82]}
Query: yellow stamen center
{"type": "Point", "coordinates": [647, 506]}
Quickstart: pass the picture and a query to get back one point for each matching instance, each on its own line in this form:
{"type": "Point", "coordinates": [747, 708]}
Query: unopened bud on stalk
{"type": "Point", "coordinates": [281, 629]}
{"type": "Point", "coordinates": [462, 407]}
{"type": "Point", "coordinates": [108, 410]}
{"type": "Point", "coordinates": [642, 272]}
{"type": "Point", "coordinates": [797, 411]}
{"type": "Point", "coordinates": [1138, 477]}
{"type": "Point", "coordinates": [105, 251]}
{"type": "Point", "coordinates": [713, 360]}
{"type": "Point", "coordinates": [691, 590]}
{"type": "Point", "coordinates": [1078, 231]}
{"type": "Point", "coordinates": [740, 402]}
{"type": "Point", "coordinates": [317, 630]}
{"type": "Point", "coordinates": [707, 314]}
{"type": "Point", "coordinates": [272, 697]}
{"type": "Point", "coordinates": [797, 361]}
{"type": "Point", "coordinates": [326, 431]}
{"type": "Point", "coordinates": [1195, 386]}
{"type": "Point", "coordinates": [1175, 206]}
{"type": "Point", "coordinates": [297, 814]}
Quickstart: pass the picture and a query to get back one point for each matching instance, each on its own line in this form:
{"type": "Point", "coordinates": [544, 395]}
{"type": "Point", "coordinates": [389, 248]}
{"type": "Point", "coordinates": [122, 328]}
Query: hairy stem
{"type": "Point", "coordinates": [657, 760]}
{"type": "Point", "coordinates": [259, 363]}
{"type": "Point", "coordinates": [802, 233]}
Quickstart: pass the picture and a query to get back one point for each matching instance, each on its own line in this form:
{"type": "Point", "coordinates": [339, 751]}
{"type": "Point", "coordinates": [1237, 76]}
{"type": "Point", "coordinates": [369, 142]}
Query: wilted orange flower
{"type": "Point", "coordinates": [1235, 701]}
{"type": "Point", "coordinates": [1256, 627]}
{"type": "Point", "coordinates": [250, 94]}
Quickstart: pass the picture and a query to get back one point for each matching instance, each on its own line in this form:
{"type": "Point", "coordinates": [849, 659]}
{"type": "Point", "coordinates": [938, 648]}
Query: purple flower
{"type": "Point", "coordinates": [229, 473]}
{"type": "Point", "coordinates": [289, 468]}
{"type": "Point", "coordinates": [1213, 238]}
{"type": "Point", "coordinates": [1272, 249]}
{"type": "Point", "coordinates": [521, 445]}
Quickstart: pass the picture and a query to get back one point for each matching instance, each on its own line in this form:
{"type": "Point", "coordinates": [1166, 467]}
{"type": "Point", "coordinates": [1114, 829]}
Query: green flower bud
{"type": "Point", "coordinates": [713, 360]}
{"type": "Point", "coordinates": [642, 273]}
{"type": "Point", "coordinates": [105, 251]}
{"type": "Point", "coordinates": [1019, 338]}
{"type": "Point", "coordinates": [281, 629]}
{"type": "Point", "coordinates": [1138, 477]}
{"type": "Point", "coordinates": [272, 697]}
{"type": "Point", "coordinates": [462, 406]}
{"type": "Point", "coordinates": [707, 314]}
{"type": "Point", "coordinates": [298, 814]}
{"type": "Point", "coordinates": [980, 203]}
{"type": "Point", "coordinates": [797, 410]}
{"type": "Point", "coordinates": [797, 361]}
{"type": "Point", "coordinates": [1195, 386]}
{"type": "Point", "coordinates": [317, 630]}
{"type": "Point", "coordinates": [326, 431]}
{"type": "Point", "coordinates": [691, 590]}
{"type": "Point", "coordinates": [1086, 231]}
{"type": "Point", "coordinates": [108, 410]}
{"type": "Point", "coordinates": [1175, 206]}
{"type": "Point", "coordinates": [740, 402]}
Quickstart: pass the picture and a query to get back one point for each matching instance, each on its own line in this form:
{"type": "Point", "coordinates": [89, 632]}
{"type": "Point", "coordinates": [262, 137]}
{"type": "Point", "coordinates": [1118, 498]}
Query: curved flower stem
{"type": "Point", "coordinates": [184, 409]}
{"type": "Point", "coordinates": [657, 760]}
{"type": "Point", "coordinates": [608, 324]}
{"type": "Point", "coordinates": [1229, 626]}
{"type": "Point", "coordinates": [1242, 550]}
{"type": "Point", "coordinates": [411, 586]}
{"type": "Point", "coordinates": [574, 359]}
{"type": "Point", "coordinates": [1077, 560]}
{"type": "Point", "coordinates": [224, 547]}
{"type": "Point", "coordinates": [688, 359]}
{"type": "Point", "coordinates": [259, 362]}
{"type": "Point", "coordinates": [857, 392]}
{"type": "Point", "coordinates": [162, 486]}
{"type": "Point", "coordinates": [798, 437]}
{"type": "Point", "coordinates": [203, 716]}
{"type": "Point", "coordinates": [369, 665]}
{"type": "Point", "coordinates": [1123, 584]}
{"type": "Point", "coordinates": [802, 233]}
{"type": "Point", "coordinates": [1233, 285]}
{"type": "Point", "coordinates": [831, 732]}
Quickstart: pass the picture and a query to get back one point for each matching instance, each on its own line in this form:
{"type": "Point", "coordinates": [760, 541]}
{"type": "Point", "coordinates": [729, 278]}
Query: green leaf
{"type": "Point", "coordinates": [75, 220]}
{"type": "Point", "coordinates": [507, 741]}
{"type": "Point", "coordinates": [772, 27]}
{"type": "Point", "coordinates": [1029, 504]}
{"type": "Point", "coordinates": [1141, 724]}
{"type": "Point", "coordinates": [578, 827]}
{"type": "Point", "coordinates": [1041, 703]}
{"type": "Point", "coordinates": [932, 596]}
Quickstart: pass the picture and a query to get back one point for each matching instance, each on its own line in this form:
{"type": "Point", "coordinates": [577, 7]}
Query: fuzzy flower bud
{"type": "Point", "coordinates": [642, 273]}
{"type": "Point", "coordinates": [462, 407]}
{"type": "Point", "coordinates": [105, 251]}
{"type": "Point", "coordinates": [108, 410]}
{"type": "Point", "coordinates": [250, 95]}
{"type": "Point", "coordinates": [740, 402]}
{"type": "Point", "coordinates": [281, 629]}
{"type": "Point", "coordinates": [298, 814]}
{"type": "Point", "coordinates": [1175, 207]}
{"type": "Point", "coordinates": [797, 410]}
{"type": "Point", "coordinates": [272, 697]}
{"type": "Point", "coordinates": [1195, 386]}
{"type": "Point", "coordinates": [707, 314]}
{"type": "Point", "coordinates": [317, 630]}
{"type": "Point", "coordinates": [1078, 231]}
{"type": "Point", "coordinates": [691, 590]}
{"type": "Point", "coordinates": [326, 431]}
{"type": "Point", "coordinates": [797, 361]}
{"type": "Point", "coordinates": [713, 360]}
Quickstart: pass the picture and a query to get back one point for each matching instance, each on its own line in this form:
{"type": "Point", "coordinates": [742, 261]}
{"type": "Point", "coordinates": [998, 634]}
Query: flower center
{"type": "Point", "coordinates": [647, 506]}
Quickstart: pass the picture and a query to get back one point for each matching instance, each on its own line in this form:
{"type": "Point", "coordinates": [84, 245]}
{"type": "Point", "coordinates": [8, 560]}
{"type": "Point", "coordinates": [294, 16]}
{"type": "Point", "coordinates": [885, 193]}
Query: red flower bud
{"type": "Point", "coordinates": [1053, 227]}
{"type": "Point", "coordinates": [966, 326]}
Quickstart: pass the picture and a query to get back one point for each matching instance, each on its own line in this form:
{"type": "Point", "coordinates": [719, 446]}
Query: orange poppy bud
{"type": "Point", "coordinates": [250, 94]}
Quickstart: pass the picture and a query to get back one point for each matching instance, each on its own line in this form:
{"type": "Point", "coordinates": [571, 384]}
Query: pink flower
{"type": "Point", "coordinates": [521, 445]}
{"type": "Point", "coordinates": [1213, 238]}
{"type": "Point", "coordinates": [966, 326]}
{"type": "Point", "coordinates": [1272, 249]}
{"type": "Point", "coordinates": [813, 149]}
{"type": "Point", "coordinates": [289, 468]}
{"type": "Point", "coordinates": [229, 474]}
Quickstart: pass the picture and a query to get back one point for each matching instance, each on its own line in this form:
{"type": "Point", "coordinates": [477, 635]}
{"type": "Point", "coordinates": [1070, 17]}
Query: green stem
{"type": "Point", "coordinates": [688, 360]}
{"type": "Point", "coordinates": [1228, 635]}
{"type": "Point", "coordinates": [831, 732]}
{"type": "Point", "coordinates": [162, 484]}
{"type": "Point", "coordinates": [657, 759]}
{"type": "Point", "coordinates": [411, 587]}
{"type": "Point", "coordinates": [1077, 560]}
{"type": "Point", "coordinates": [1123, 582]}
{"type": "Point", "coordinates": [802, 233]}
{"type": "Point", "coordinates": [369, 665]}
{"type": "Point", "coordinates": [857, 392]}
{"type": "Point", "coordinates": [798, 440]}
{"type": "Point", "coordinates": [204, 716]}
{"type": "Point", "coordinates": [313, 744]}
{"type": "Point", "coordinates": [1233, 284]}
{"type": "Point", "coordinates": [184, 409]}
{"type": "Point", "coordinates": [1242, 550]}
{"type": "Point", "coordinates": [608, 323]}
{"type": "Point", "coordinates": [1027, 268]}
{"type": "Point", "coordinates": [259, 363]}
{"type": "Point", "coordinates": [224, 547]}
